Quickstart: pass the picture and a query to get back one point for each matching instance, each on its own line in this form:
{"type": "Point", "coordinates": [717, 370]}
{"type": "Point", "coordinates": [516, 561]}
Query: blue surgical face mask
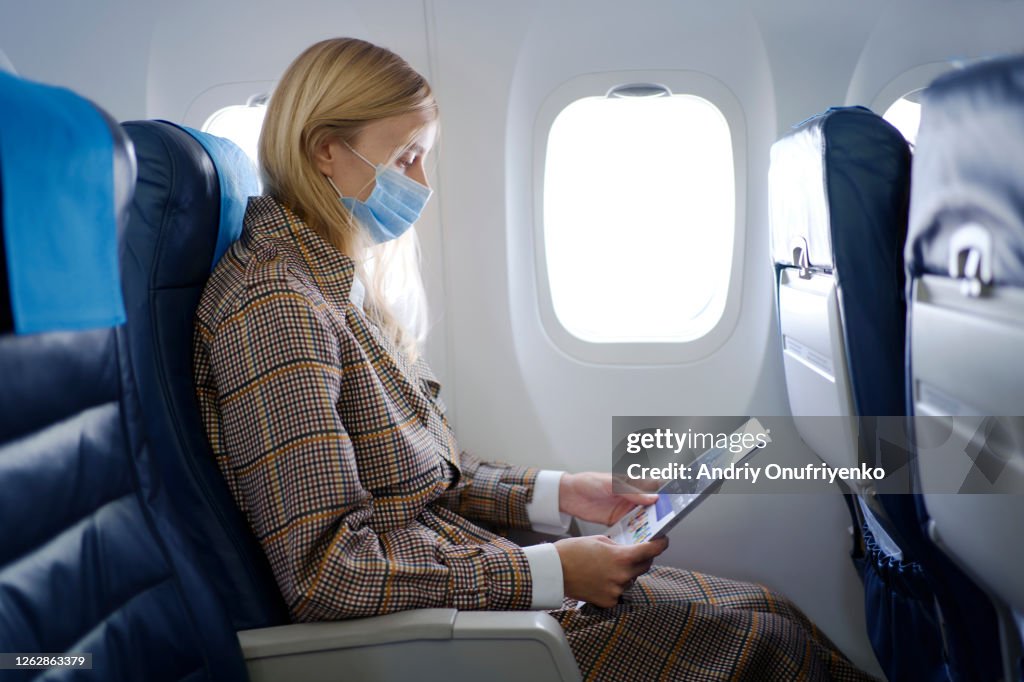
{"type": "Point", "coordinates": [392, 207]}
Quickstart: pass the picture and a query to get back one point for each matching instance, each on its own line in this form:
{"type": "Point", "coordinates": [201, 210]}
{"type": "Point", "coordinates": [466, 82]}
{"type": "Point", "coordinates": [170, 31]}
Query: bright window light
{"type": "Point", "coordinates": [240, 123]}
{"type": "Point", "coordinates": [905, 115]}
{"type": "Point", "coordinates": [639, 217]}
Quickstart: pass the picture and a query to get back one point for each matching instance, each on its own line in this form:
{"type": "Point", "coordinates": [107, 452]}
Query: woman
{"type": "Point", "coordinates": [330, 432]}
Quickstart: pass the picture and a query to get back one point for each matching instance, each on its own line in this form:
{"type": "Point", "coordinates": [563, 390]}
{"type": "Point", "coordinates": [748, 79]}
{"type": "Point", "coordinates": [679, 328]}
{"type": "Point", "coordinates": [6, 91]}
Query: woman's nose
{"type": "Point", "coordinates": [419, 174]}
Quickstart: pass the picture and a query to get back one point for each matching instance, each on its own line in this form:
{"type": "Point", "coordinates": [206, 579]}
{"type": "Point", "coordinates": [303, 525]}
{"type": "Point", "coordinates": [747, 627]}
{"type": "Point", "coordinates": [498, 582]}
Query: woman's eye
{"type": "Point", "coordinates": [406, 161]}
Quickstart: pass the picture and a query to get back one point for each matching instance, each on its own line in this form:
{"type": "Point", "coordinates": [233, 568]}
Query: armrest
{"type": "Point", "coordinates": [300, 638]}
{"type": "Point", "coordinates": [423, 644]}
{"type": "Point", "coordinates": [506, 628]}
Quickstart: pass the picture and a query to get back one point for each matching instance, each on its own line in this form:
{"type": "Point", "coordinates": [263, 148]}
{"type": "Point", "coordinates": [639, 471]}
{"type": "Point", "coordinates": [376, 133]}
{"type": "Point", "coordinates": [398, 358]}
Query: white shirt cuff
{"type": "Point", "coordinates": [546, 573]}
{"type": "Point", "coordinates": [542, 509]}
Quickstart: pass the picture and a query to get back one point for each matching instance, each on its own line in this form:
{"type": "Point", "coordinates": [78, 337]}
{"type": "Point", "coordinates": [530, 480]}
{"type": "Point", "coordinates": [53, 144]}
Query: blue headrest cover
{"type": "Point", "coordinates": [238, 181]}
{"type": "Point", "coordinates": [841, 181]}
{"type": "Point", "coordinates": [59, 209]}
{"type": "Point", "coordinates": [967, 169]}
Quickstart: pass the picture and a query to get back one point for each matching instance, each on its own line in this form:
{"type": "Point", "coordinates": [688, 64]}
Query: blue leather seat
{"type": "Point", "coordinates": [91, 557]}
{"type": "Point", "coordinates": [839, 188]}
{"type": "Point", "coordinates": [965, 259]}
{"type": "Point", "coordinates": [187, 209]}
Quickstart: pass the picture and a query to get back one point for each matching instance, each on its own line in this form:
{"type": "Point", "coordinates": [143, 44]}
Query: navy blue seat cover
{"type": "Point", "coordinates": [91, 557]}
{"type": "Point", "coordinates": [6, 313]}
{"type": "Point", "coordinates": [968, 170]}
{"type": "Point", "coordinates": [972, 139]}
{"type": "Point", "coordinates": [867, 180]}
{"type": "Point", "coordinates": [170, 244]}
{"type": "Point", "coordinates": [866, 164]}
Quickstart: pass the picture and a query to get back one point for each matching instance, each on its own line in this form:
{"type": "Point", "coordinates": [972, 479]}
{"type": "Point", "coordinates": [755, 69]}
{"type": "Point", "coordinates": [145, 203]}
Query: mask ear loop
{"type": "Point", "coordinates": [338, 191]}
{"type": "Point", "coordinates": [375, 167]}
{"type": "Point", "coordinates": [331, 180]}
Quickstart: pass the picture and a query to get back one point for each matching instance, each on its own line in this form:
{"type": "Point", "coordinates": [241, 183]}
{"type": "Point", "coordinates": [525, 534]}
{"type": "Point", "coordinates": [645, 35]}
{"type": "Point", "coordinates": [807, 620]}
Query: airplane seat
{"type": "Point", "coordinates": [91, 560]}
{"type": "Point", "coordinates": [189, 205]}
{"type": "Point", "coordinates": [965, 264]}
{"type": "Point", "coordinates": [184, 215]}
{"type": "Point", "coordinates": [839, 189]}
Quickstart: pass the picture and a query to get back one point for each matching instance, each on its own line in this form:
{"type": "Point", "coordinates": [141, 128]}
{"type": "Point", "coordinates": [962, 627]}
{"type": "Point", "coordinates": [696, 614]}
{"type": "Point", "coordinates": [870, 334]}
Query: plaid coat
{"type": "Point", "coordinates": [337, 449]}
{"type": "Point", "coordinates": [340, 455]}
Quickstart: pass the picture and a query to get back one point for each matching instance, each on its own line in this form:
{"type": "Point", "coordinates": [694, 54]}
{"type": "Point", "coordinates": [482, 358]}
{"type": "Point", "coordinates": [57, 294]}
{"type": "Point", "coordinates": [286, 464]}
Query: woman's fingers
{"type": "Point", "coordinates": [643, 566]}
{"type": "Point", "coordinates": [648, 550]}
{"type": "Point", "coordinates": [597, 570]}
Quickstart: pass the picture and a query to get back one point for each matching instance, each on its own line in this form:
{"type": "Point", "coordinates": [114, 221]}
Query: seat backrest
{"type": "Point", "coordinates": [189, 203]}
{"type": "Point", "coordinates": [965, 251]}
{"type": "Point", "coordinates": [965, 263]}
{"type": "Point", "coordinates": [91, 560]}
{"type": "Point", "coordinates": [839, 188]}
{"type": "Point", "coordinates": [839, 192]}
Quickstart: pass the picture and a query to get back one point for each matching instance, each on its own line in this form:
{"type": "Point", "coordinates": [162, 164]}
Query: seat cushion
{"type": "Point", "coordinates": [90, 558]}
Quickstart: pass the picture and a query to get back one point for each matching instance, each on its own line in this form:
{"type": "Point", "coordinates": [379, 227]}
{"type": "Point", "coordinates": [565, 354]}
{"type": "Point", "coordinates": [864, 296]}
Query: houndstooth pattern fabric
{"type": "Point", "coordinates": [336, 448]}
{"type": "Point", "coordinates": [682, 625]}
{"type": "Point", "coordinates": [340, 455]}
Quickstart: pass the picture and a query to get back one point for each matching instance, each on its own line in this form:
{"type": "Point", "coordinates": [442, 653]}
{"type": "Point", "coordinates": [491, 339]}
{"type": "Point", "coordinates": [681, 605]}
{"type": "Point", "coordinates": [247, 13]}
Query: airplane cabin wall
{"type": "Point", "coordinates": [85, 46]}
{"type": "Point", "coordinates": [517, 396]}
{"type": "Point", "coordinates": [914, 42]}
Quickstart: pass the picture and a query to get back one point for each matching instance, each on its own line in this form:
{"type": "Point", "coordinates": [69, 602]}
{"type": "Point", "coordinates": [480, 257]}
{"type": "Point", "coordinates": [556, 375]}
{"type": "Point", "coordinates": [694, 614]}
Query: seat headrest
{"type": "Point", "coordinates": [67, 175]}
{"type": "Point", "coordinates": [968, 186]}
{"type": "Point", "coordinates": [238, 180]}
{"type": "Point", "coordinates": [837, 181]}
{"type": "Point", "coordinates": [210, 182]}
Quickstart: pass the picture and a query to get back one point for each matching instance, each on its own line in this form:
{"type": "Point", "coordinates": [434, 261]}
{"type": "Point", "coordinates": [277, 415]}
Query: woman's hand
{"type": "Point", "coordinates": [596, 569]}
{"type": "Point", "coordinates": [589, 496]}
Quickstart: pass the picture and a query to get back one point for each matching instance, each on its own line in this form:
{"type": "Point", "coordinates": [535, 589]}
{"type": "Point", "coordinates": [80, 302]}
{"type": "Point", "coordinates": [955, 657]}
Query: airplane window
{"type": "Point", "coordinates": [240, 123]}
{"type": "Point", "coordinates": [639, 217]}
{"type": "Point", "coordinates": [905, 114]}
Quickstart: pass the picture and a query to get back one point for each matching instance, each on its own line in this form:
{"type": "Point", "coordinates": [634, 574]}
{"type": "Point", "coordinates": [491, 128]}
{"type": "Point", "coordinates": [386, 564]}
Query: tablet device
{"type": "Point", "coordinates": [679, 496]}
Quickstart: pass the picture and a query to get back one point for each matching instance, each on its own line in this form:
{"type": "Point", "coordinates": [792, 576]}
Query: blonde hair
{"type": "Point", "coordinates": [330, 93]}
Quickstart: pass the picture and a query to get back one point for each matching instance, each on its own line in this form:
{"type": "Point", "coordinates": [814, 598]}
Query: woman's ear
{"type": "Point", "coordinates": [324, 156]}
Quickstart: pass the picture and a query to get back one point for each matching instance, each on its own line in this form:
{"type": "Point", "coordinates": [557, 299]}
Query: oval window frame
{"type": "Point", "coordinates": [685, 82]}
